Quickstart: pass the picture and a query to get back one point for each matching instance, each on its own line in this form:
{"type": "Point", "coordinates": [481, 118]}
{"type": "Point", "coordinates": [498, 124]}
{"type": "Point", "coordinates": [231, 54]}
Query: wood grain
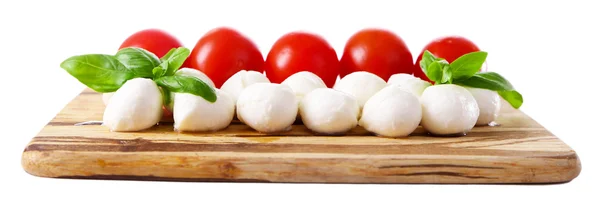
{"type": "Point", "coordinates": [518, 151]}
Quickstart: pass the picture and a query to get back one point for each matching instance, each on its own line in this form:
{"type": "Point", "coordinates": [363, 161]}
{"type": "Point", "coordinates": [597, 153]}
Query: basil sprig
{"type": "Point", "coordinates": [464, 71]}
{"type": "Point", "coordinates": [107, 73]}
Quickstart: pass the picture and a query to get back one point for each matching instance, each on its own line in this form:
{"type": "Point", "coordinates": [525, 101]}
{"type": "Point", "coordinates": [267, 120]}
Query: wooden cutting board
{"type": "Point", "coordinates": [517, 151]}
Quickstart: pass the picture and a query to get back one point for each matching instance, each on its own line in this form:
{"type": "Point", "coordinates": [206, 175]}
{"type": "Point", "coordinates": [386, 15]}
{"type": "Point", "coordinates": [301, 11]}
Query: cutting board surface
{"type": "Point", "coordinates": [517, 151]}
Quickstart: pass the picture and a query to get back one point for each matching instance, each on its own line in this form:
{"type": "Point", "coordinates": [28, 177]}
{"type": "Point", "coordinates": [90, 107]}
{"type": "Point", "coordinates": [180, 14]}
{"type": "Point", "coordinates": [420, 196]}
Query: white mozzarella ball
{"type": "Point", "coordinates": [303, 82]}
{"type": "Point", "coordinates": [329, 111]}
{"type": "Point", "coordinates": [391, 112]}
{"type": "Point", "coordinates": [448, 109]}
{"type": "Point", "coordinates": [106, 97]}
{"type": "Point", "coordinates": [194, 113]}
{"type": "Point", "coordinates": [267, 107]}
{"type": "Point", "coordinates": [137, 105]}
{"type": "Point", "coordinates": [489, 105]}
{"type": "Point", "coordinates": [362, 85]}
{"type": "Point", "coordinates": [196, 73]}
{"type": "Point", "coordinates": [242, 79]}
{"type": "Point", "coordinates": [409, 83]}
{"type": "Point", "coordinates": [400, 78]}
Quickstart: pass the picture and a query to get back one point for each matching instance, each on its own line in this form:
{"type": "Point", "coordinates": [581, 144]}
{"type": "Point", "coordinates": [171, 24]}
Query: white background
{"type": "Point", "coordinates": [547, 49]}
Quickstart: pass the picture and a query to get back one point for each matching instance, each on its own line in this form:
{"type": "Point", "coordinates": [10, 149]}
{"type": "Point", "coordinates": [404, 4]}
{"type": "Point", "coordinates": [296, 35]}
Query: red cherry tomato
{"type": "Point", "coordinates": [377, 51]}
{"type": "Point", "coordinates": [222, 52]}
{"type": "Point", "coordinates": [301, 51]}
{"type": "Point", "coordinates": [156, 41]}
{"type": "Point", "coordinates": [449, 48]}
{"type": "Point", "coordinates": [167, 114]}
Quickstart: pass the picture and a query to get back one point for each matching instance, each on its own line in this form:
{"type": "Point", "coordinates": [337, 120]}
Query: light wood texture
{"type": "Point", "coordinates": [517, 151]}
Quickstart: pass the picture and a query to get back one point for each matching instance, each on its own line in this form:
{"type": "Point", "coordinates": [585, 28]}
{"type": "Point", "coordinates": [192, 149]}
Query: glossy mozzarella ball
{"type": "Point", "coordinates": [489, 105]}
{"type": "Point", "coordinates": [409, 83]}
{"type": "Point", "coordinates": [329, 111]}
{"type": "Point", "coordinates": [391, 112]}
{"type": "Point", "coordinates": [137, 105]}
{"type": "Point", "coordinates": [242, 79]}
{"type": "Point", "coordinates": [362, 85]}
{"type": "Point", "coordinates": [194, 113]}
{"type": "Point", "coordinates": [303, 82]}
{"type": "Point", "coordinates": [448, 110]}
{"type": "Point", "coordinates": [267, 107]}
{"type": "Point", "coordinates": [400, 78]}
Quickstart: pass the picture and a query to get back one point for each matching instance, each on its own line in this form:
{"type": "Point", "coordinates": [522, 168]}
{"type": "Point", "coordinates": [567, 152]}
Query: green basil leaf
{"type": "Point", "coordinates": [434, 72]}
{"type": "Point", "coordinates": [467, 65]}
{"type": "Point", "coordinates": [173, 60]}
{"type": "Point", "coordinates": [487, 80]}
{"type": "Point", "coordinates": [158, 72]}
{"type": "Point", "coordinates": [446, 75]}
{"type": "Point", "coordinates": [514, 98]}
{"type": "Point", "coordinates": [426, 60]}
{"type": "Point", "coordinates": [101, 73]}
{"type": "Point", "coordinates": [138, 60]}
{"type": "Point", "coordinates": [168, 54]}
{"type": "Point", "coordinates": [187, 84]}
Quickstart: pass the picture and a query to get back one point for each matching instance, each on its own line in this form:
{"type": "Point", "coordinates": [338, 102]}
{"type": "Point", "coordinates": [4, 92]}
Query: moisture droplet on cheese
{"type": "Point", "coordinates": [329, 111]}
{"type": "Point", "coordinates": [409, 83]}
{"type": "Point", "coordinates": [448, 109]}
{"type": "Point", "coordinates": [267, 107]}
{"type": "Point", "coordinates": [136, 106]}
{"type": "Point", "coordinates": [391, 112]}
{"type": "Point", "coordinates": [489, 105]}
{"type": "Point", "coordinates": [242, 79]}
{"type": "Point", "coordinates": [362, 85]}
{"type": "Point", "coordinates": [194, 113]}
{"type": "Point", "coordinates": [304, 82]}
